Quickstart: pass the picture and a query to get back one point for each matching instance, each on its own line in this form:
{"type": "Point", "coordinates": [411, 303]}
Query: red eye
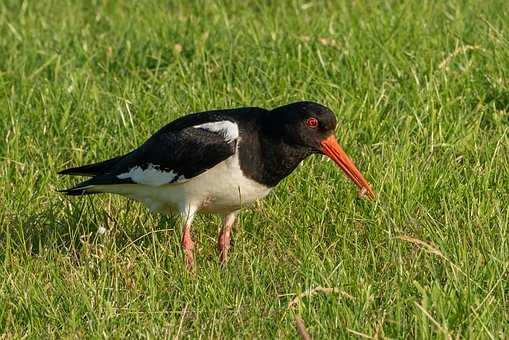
{"type": "Point", "coordinates": [312, 122]}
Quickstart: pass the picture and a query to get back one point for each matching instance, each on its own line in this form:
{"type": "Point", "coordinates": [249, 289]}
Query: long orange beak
{"type": "Point", "coordinates": [331, 148]}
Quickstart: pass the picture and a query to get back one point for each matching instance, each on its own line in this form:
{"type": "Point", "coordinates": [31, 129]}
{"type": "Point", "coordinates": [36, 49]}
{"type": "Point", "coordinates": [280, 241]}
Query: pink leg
{"type": "Point", "coordinates": [223, 242]}
{"type": "Point", "coordinates": [188, 246]}
{"type": "Point", "coordinates": [187, 241]}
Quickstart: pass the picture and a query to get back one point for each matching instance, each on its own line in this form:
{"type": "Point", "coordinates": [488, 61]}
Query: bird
{"type": "Point", "coordinates": [219, 162]}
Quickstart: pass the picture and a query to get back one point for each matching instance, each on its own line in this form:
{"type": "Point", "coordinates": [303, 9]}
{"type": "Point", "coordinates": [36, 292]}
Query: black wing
{"type": "Point", "coordinates": [172, 155]}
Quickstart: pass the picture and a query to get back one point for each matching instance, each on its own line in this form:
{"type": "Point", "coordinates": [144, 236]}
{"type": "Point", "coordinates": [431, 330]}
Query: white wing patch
{"type": "Point", "coordinates": [229, 130]}
{"type": "Point", "coordinates": [152, 175]}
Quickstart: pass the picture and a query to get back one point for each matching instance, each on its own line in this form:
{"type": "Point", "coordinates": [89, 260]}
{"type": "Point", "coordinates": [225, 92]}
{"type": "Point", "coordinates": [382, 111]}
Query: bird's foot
{"type": "Point", "coordinates": [223, 245]}
{"type": "Point", "coordinates": [189, 258]}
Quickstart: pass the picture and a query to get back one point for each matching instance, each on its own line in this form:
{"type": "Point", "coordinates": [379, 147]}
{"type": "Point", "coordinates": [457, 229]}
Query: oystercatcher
{"type": "Point", "coordinates": [218, 162]}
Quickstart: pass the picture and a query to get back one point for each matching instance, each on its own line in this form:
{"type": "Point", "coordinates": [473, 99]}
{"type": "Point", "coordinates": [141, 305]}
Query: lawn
{"type": "Point", "coordinates": [421, 91]}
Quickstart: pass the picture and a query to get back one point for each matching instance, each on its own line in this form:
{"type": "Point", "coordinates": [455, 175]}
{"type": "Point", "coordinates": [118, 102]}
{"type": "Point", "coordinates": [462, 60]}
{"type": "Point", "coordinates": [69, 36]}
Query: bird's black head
{"type": "Point", "coordinates": [304, 124]}
{"type": "Point", "coordinates": [309, 128]}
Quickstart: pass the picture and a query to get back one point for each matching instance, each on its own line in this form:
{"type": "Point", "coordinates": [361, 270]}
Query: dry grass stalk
{"type": "Point", "coordinates": [462, 49]}
{"type": "Point", "coordinates": [315, 290]}
{"type": "Point", "coordinates": [301, 328]}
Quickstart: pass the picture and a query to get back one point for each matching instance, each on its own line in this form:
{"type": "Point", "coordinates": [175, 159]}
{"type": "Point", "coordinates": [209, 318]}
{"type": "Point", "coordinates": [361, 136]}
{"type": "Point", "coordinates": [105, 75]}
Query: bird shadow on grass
{"type": "Point", "coordinates": [74, 226]}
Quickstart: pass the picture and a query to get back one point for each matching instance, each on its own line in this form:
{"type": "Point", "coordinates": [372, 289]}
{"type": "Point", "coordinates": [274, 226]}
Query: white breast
{"type": "Point", "coordinates": [223, 188]}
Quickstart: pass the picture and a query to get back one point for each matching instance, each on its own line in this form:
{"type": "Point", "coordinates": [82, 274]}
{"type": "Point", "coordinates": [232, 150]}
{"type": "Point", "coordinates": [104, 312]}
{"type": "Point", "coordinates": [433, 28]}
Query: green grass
{"type": "Point", "coordinates": [421, 90]}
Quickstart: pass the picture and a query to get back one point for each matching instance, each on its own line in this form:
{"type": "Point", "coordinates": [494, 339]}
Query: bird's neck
{"type": "Point", "coordinates": [268, 160]}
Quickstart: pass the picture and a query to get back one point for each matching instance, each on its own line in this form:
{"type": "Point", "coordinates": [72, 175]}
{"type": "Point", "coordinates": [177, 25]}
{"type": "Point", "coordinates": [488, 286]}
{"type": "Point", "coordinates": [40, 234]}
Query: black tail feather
{"type": "Point", "coordinates": [80, 188]}
{"type": "Point", "coordinates": [92, 169]}
{"type": "Point", "coordinates": [77, 192]}
{"type": "Point", "coordinates": [87, 187]}
{"type": "Point", "coordinates": [101, 173]}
